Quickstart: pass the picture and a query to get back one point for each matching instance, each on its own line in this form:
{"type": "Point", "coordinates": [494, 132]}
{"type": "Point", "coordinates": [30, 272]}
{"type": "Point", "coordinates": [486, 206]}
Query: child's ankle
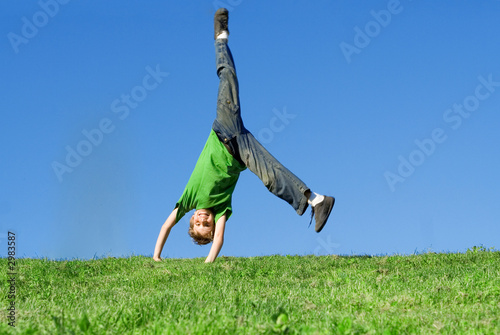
{"type": "Point", "coordinates": [314, 199]}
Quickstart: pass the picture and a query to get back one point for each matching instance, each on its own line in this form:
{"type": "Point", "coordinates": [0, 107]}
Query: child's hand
{"type": "Point", "coordinates": [157, 258]}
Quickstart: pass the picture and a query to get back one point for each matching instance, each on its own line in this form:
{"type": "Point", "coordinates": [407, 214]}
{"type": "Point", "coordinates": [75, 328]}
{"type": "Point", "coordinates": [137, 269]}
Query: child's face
{"type": "Point", "coordinates": [204, 222]}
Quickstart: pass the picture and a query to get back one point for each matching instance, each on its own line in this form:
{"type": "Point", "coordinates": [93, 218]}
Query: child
{"type": "Point", "coordinates": [229, 150]}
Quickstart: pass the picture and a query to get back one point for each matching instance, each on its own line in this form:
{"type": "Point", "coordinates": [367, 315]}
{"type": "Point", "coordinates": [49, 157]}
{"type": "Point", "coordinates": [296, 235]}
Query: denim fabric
{"type": "Point", "coordinates": [230, 129]}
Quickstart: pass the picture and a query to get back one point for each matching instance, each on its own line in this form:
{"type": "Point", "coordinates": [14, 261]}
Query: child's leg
{"type": "Point", "coordinates": [228, 122]}
{"type": "Point", "coordinates": [277, 178]}
{"type": "Point", "coordinates": [242, 144]}
{"type": "Point", "coordinates": [231, 131]}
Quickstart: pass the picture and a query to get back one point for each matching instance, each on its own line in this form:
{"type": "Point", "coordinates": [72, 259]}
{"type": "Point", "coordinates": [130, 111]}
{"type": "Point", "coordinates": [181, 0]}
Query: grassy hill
{"type": "Point", "coordinates": [422, 294]}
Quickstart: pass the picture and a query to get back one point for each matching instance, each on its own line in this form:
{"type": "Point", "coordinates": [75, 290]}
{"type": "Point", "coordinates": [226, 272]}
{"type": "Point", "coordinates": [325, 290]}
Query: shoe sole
{"type": "Point", "coordinates": [221, 13]}
{"type": "Point", "coordinates": [327, 216]}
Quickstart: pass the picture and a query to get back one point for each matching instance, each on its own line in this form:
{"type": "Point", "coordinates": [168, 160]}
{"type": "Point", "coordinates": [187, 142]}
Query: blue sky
{"type": "Point", "coordinates": [393, 107]}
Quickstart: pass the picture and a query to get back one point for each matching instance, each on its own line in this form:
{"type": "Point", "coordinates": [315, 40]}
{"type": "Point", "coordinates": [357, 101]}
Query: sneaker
{"type": "Point", "coordinates": [220, 21]}
{"type": "Point", "coordinates": [322, 211]}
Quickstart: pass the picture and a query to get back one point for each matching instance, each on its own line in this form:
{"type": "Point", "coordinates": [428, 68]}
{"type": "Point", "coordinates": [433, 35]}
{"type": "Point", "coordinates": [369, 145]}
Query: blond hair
{"type": "Point", "coordinates": [198, 238]}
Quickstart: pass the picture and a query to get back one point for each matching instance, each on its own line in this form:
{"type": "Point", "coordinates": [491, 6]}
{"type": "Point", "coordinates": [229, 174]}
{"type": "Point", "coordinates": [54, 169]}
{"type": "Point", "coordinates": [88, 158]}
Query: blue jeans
{"type": "Point", "coordinates": [242, 144]}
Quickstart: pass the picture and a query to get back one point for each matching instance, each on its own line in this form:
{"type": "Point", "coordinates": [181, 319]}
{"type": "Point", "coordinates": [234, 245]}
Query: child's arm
{"type": "Point", "coordinates": [162, 237]}
{"type": "Point", "coordinates": [218, 239]}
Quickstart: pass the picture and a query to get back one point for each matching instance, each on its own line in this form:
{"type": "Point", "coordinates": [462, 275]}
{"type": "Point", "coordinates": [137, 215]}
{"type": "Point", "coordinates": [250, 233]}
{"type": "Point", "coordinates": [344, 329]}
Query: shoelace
{"type": "Point", "coordinates": [312, 215]}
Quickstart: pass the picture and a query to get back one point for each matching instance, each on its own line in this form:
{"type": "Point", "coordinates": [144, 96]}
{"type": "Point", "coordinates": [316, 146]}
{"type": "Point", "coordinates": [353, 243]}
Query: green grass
{"type": "Point", "coordinates": [422, 294]}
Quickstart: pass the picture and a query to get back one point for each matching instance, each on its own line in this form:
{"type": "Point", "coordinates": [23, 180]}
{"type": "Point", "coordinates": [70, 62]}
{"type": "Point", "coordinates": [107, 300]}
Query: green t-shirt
{"type": "Point", "coordinates": [212, 182]}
